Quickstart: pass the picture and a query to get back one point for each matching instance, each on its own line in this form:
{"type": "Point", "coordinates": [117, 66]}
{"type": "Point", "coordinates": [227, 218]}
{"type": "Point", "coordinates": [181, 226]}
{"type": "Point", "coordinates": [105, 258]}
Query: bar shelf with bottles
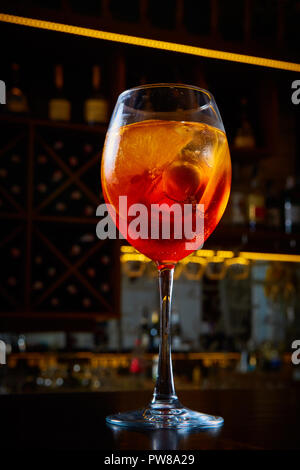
{"type": "Point", "coordinates": [53, 266]}
{"type": "Point", "coordinates": [263, 214]}
{"type": "Point", "coordinates": [96, 372]}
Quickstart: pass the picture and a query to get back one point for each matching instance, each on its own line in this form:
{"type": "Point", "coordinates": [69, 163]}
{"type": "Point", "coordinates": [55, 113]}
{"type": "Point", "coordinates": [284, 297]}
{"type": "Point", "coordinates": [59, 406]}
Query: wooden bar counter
{"type": "Point", "coordinates": [254, 419]}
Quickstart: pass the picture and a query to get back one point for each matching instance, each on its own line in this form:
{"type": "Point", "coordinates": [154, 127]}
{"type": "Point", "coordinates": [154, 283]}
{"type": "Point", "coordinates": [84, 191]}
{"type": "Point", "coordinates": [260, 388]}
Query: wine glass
{"type": "Point", "coordinates": [166, 155]}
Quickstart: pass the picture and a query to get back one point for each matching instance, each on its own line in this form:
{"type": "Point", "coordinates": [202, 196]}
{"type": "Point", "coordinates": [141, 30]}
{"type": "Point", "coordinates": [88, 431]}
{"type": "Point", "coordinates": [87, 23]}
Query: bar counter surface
{"type": "Point", "coordinates": [264, 419]}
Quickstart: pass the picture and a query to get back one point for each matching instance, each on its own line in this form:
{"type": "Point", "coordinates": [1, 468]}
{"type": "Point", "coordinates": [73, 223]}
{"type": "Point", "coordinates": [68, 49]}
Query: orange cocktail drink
{"type": "Point", "coordinates": [163, 163]}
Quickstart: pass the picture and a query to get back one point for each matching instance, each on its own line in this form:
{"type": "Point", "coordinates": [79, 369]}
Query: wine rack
{"type": "Point", "coordinates": [52, 263]}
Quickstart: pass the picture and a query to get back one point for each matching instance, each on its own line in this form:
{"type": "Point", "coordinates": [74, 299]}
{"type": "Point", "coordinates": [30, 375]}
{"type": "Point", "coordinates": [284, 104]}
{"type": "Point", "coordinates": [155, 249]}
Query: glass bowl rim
{"type": "Point", "coordinates": [169, 85]}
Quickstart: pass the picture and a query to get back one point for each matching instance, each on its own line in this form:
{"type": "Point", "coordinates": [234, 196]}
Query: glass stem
{"type": "Point", "coordinates": [164, 392]}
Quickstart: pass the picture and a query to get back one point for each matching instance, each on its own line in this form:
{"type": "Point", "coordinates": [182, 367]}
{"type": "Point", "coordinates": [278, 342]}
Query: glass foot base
{"type": "Point", "coordinates": [174, 418]}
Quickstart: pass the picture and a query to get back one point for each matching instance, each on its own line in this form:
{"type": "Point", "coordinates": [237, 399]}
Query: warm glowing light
{"type": "Point", "coordinates": [225, 254]}
{"type": "Point", "coordinates": [193, 259]}
{"type": "Point", "coordinates": [205, 253]}
{"type": "Point", "coordinates": [216, 259]}
{"type": "Point", "coordinates": [270, 257]}
{"type": "Point", "coordinates": [152, 43]}
{"type": "Point", "coordinates": [237, 260]}
{"type": "Point", "coordinates": [134, 257]}
{"type": "Point", "coordinates": [130, 254]}
{"type": "Point", "coordinates": [127, 249]}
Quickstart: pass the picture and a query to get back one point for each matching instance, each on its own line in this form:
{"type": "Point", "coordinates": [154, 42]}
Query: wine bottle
{"type": "Point", "coordinates": [59, 105]}
{"type": "Point", "coordinates": [238, 199]}
{"type": "Point", "coordinates": [176, 331]}
{"type": "Point", "coordinates": [244, 137]}
{"type": "Point", "coordinates": [96, 106]}
{"type": "Point", "coordinates": [256, 204]}
{"type": "Point", "coordinates": [291, 206]}
{"type": "Point", "coordinates": [144, 330]}
{"type": "Point", "coordinates": [154, 332]}
{"type": "Point", "coordinates": [16, 99]}
{"type": "Point", "coordinates": [273, 213]}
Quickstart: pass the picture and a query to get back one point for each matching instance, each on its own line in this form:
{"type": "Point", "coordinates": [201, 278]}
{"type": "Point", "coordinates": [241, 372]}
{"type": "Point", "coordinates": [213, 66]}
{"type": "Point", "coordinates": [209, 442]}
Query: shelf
{"type": "Point", "coordinates": [28, 120]}
{"type": "Point", "coordinates": [55, 273]}
{"type": "Point", "coordinates": [113, 358]}
{"type": "Point", "coordinates": [122, 358]}
{"type": "Point", "coordinates": [242, 239]}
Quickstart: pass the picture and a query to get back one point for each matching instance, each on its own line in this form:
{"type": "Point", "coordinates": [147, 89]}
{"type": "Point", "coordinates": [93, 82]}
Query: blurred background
{"type": "Point", "coordinates": [78, 313]}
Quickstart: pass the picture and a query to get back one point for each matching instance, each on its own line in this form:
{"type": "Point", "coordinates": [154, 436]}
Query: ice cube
{"type": "Point", "coordinates": [202, 147]}
{"type": "Point", "coordinates": [181, 180]}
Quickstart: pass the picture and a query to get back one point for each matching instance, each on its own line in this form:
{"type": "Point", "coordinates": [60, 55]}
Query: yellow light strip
{"type": "Point", "coordinates": [130, 254]}
{"type": "Point", "coordinates": [128, 249]}
{"type": "Point", "coordinates": [270, 257]}
{"type": "Point", "coordinates": [205, 253]}
{"type": "Point", "coordinates": [134, 257]}
{"type": "Point", "coordinates": [225, 254]}
{"type": "Point", "coordinates": [152, 43]}
{"type": "Point", "coordinates": [194, 259]}
{"type": "Point", "coordinates": [237, 260]}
